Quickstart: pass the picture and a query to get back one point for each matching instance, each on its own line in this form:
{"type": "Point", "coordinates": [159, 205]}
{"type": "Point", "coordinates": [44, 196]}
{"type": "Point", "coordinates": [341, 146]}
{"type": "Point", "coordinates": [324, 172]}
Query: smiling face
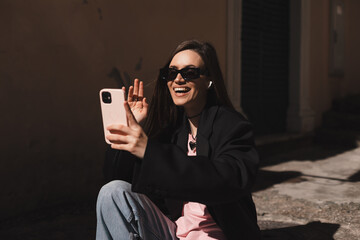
{"type": "Point", "coordinates": [189, 94]}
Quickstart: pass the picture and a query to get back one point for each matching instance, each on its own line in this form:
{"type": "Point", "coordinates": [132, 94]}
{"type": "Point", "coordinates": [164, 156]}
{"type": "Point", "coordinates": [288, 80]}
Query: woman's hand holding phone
{"type": "Point", "coordinates": [137, 101]}
{"type": "Point", "coordinates": [131, 138]}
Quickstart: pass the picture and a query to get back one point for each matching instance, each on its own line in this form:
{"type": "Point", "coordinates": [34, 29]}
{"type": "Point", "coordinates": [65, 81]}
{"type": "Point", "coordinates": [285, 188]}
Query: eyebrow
{"type": "Point", "coordinates": [175, 67]}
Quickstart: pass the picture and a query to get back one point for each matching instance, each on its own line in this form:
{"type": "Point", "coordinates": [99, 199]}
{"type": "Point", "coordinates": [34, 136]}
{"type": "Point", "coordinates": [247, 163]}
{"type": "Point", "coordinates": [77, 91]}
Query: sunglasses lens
{"type": "Point", "coordinates": [172, 73]}
{"type": "Point", "coordinates": [190, 73]}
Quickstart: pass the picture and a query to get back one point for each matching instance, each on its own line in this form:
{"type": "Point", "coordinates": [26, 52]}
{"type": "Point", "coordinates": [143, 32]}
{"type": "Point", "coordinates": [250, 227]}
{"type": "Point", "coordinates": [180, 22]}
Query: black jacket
{"type": "Point", "coordinates": [220, 176]}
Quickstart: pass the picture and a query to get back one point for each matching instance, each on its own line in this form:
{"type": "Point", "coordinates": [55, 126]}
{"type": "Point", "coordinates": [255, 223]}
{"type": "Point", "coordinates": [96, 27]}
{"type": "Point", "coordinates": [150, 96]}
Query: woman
{"type": "Point", "coordinates": [195, 159]}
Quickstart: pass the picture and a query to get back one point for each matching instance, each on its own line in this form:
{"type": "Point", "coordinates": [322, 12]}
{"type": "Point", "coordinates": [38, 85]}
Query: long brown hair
{"type": "Point", "coordinates": [163, 112]}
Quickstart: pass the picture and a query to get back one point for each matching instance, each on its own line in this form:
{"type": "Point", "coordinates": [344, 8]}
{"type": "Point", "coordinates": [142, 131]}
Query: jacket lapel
{"type": "Point", "coordinates": [181, 137]}
{"type": "Point", "coordinates": [203, 133]}
{"type": "Point", "coordinates": [205, 129]}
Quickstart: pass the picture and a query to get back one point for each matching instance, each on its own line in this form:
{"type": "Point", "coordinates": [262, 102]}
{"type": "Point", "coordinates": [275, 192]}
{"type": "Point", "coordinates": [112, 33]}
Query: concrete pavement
{"type": "Point", "coordinates": [310, 193]}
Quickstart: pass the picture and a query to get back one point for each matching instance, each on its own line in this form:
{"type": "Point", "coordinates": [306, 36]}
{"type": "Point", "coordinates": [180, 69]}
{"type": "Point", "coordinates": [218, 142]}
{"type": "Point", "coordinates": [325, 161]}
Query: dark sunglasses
{"type": "Point", "coordinates": [188, 73]}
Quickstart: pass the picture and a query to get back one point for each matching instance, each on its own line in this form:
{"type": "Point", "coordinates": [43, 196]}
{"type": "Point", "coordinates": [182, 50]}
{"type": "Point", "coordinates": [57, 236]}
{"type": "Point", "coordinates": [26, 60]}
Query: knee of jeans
{"type": "Point", "coordinates": [114, 188]}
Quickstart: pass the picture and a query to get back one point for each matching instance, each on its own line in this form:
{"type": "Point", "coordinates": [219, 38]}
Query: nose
{"type": "Point", "coordinates": [179, 79]}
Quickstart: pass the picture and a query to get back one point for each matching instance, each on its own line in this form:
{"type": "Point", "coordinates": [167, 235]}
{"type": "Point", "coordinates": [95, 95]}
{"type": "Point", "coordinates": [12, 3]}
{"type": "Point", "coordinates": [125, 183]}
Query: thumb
{"type": "Point", "coordinates": [145, 104]}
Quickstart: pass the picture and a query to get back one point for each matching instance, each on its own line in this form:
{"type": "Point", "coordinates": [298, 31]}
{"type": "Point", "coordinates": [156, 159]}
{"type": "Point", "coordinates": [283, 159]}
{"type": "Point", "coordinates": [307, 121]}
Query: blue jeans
{"type": "Point", "coordinates": [123, 214]}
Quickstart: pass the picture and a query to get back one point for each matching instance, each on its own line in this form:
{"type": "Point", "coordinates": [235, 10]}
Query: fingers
{"type": "Point", "coordinates": [135, 144]}
{"type": "Point", "coordinates": [136, 92]}
{"type": "Point", "coordinates": [129, 115]}
{"type": "Point", "coordinates": [141, 90]}
{"type": "Point", "coordinates": [117, 139]}
{"type": "Point", "coordinates": [136, 88]}
{"type": "Point", "coordinates": [119, 129]}
{"type": "Point", "coordinates": [121, 133]}
{"type": "Point", "coordinates": [130, 94]}
{"type": "Point", "coordinates": [128, 138]}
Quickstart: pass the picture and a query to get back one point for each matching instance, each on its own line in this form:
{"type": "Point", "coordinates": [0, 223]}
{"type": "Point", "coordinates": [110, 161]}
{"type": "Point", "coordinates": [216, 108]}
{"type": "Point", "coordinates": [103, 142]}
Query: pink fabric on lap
{"type": "Point", "coordinates": [197, 223]}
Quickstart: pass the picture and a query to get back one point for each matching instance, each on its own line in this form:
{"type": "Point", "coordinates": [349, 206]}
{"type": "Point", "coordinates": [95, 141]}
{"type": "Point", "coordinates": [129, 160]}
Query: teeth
{"type": "Point", "coordinates": [181, 89]}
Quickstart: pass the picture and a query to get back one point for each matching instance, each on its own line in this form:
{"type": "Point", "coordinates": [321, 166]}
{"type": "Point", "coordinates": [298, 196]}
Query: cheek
{"type": "Point", "coordinates": [170, 91]}
{"type": "Point", "coordinates": [169, 86]}
{"type": "Point", "coordinates": [201, 89]}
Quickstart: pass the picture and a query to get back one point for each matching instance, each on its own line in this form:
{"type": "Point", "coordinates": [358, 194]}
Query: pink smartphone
{"type": "Point", "coordinates": [112, 108]}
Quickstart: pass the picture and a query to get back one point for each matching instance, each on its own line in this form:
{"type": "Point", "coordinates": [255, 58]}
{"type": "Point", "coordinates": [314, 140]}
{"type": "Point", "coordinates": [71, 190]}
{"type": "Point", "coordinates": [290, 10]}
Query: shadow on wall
{"type": "Point", "coordinates": [266, 179]}
{"type": "Point", "coordinates": [312, 230]}
{"type": "Point", "coordinates": [311, 152]}
{"type": "Point", "coordinates": [124, 80]}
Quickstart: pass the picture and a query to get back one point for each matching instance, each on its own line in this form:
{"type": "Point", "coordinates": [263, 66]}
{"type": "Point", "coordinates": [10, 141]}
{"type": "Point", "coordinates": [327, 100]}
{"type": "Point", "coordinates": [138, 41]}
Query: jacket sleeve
{"type": "Point", "coordinates": [119, 165]}
{"type": "Point", "coordinates": [225, 176]}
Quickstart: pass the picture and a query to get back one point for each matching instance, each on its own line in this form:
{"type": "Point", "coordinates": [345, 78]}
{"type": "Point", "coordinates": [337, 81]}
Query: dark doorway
{"type": "Point", "coordinates": [265, 57]}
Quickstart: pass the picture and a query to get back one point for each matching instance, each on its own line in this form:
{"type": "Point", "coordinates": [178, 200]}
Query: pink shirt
{"type": "Point", "coordinates": [196, 222]}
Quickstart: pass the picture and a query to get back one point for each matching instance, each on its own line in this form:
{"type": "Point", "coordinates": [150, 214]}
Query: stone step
{"type": "Point", "coordinates": [341, 120]}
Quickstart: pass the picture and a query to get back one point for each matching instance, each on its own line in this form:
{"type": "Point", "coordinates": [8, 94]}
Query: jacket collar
{"type": "Point", "coordinates": [203, 133]}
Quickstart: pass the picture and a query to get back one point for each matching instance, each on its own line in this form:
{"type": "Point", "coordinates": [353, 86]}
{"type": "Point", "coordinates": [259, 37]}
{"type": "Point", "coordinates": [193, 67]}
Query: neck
{"type": "Point", "coordinates": [194, 123]}
{"type": "Point", "coordinates": [193, 115]}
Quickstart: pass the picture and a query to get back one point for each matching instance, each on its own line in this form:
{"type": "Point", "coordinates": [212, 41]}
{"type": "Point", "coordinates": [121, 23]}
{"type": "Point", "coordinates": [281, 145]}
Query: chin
{"type": "Point", "coordinates": [180, 103]}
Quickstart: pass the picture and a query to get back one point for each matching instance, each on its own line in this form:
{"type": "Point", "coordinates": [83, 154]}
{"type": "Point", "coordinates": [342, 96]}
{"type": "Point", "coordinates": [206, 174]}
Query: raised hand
{"type": "Point", "coordinates": [131, 138]}
{"type": "Point", "coordinates": [137, 102]}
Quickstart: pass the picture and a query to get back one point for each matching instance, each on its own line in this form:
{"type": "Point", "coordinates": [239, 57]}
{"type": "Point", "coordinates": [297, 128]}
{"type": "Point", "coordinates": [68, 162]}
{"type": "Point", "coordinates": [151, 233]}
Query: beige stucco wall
{"type": "Point", "coordinates": [324, 87]}
{"type": "Point", "coordinates": [54, 58]}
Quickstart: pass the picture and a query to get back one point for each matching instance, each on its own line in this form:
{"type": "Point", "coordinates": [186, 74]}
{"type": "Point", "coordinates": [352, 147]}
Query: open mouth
{"type": "Point", "coordinates": [181, 89]}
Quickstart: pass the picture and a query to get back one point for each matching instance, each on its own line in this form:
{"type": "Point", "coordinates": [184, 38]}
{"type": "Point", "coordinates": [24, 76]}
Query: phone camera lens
{"type": "Point", "coordinates": [106, 97]}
